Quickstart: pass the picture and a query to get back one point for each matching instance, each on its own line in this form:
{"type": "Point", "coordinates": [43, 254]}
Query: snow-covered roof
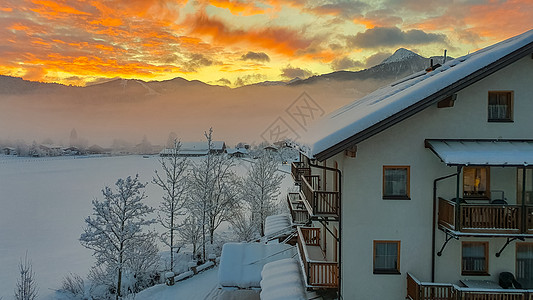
{"type": "Point", "coordinates": [397, 101]}
{"type": "Point", "coordinates": [483, 152]}
{"type": "Point", "coordinates": [282, 280]}
{"type": "Point", "coordinates": [277, 225]}
{"type": "Point", "coordinates": [237, 150]}
{"type": "Point", "coordinates": [192, 146]}
{"type": "Point", "coordinates": [241, 263]}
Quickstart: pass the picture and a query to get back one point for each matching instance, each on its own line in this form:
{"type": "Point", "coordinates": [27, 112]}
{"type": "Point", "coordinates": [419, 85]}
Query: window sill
{"type": "Point", "coordinates": [500, 121]}
{"type": "Point", "coordinates": [387, 272]}
{"type": "Point", "coordinates": [396, 198]}
{"type": "Point", "coordinates": [467, 273]}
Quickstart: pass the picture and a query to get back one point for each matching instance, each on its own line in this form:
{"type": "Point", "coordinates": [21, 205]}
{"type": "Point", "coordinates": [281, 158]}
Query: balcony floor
{"type": "Point", "coordinates": [315, 253]}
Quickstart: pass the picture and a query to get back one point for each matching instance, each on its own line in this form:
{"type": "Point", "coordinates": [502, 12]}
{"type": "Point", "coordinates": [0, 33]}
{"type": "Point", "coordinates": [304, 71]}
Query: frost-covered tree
{"type": "Point", "coordinates": [261, 188]}
{"type": "Point", "coordinates": [242, 225]}
{"type": "Point", "coordinates": [191, 233]}
{"type": "Point", "coordinates": [173, 183]}
{"type": "Point", "coordinates": [115, 230]}
{"type": "Point", "coordinates": [26, 288]}
{"type": "Point", "coordinates": [212, 191]}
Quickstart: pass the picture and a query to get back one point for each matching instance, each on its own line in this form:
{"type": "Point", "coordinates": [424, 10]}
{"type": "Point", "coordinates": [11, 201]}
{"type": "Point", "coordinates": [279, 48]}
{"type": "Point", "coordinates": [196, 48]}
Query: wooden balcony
{"type": "Point", "coordinates": [299, 169]}
{"type": "Point", "coordinates": [486, 218]}
{"type": "Point", "coordinates": [319, 273]}
{"type": "Point", "coordinates": [319, 202]}
{"type": "Point", "coordinates": [417, 290]}
{"type": "Point", "coordinates": [299, 213]}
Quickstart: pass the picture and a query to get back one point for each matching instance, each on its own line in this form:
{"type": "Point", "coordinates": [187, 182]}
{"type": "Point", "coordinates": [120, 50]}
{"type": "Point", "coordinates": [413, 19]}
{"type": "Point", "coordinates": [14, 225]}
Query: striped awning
{"type": "Point", "coordinates": [483, 152]}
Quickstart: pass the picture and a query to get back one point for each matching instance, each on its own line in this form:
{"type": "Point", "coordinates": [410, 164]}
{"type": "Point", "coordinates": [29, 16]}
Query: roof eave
{"type": "Point", "coordinates": [426, 102]}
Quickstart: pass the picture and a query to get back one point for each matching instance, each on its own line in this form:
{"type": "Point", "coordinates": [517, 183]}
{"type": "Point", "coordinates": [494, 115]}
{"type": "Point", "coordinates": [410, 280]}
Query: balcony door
{"type": "Point", "coordinates": [528, 185]}
{"type": "Point", "coordinates": [524, 264]}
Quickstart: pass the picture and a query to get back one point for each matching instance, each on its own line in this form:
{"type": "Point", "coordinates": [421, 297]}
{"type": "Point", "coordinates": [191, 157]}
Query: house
{"type": "Point", "coordinates": [9, 151]}
{"type": "Point", "coordinates": [237, 152]}
{"type": "Point", "coordinates": [424, 187]}
{"type": "Point", "coordinates": [193, 149]}
{"type": "Point", "coordinates": [271, 148]}
{"type": "Point", "coordinates": [51, 150]}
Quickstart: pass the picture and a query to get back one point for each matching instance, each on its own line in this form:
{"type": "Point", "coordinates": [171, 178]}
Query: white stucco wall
{"type": "Point", "coordinates": [367, 217]}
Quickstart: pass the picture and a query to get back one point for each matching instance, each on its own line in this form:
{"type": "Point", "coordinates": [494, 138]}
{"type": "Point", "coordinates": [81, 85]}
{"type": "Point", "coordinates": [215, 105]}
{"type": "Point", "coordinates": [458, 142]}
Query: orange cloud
{"type": "Point", "coordinates": [501, 20]}
{"type": "Point", "coordinates": [279, 39]}
{"type": "Point", "coordinates": [54, 9]}
{"type": "Point", "coordinates": [238, 7]}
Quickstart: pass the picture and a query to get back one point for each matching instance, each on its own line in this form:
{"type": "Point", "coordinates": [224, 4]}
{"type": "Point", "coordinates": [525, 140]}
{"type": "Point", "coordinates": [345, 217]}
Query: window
{"type": "Point", "coordinates": [386, 257]}
{"type": "Point", "coordinates": [524, 264]}
{"type": "Point", "coordinates": [475, 258]}
{"type": "Point", "coordinates": [476, 182]}
{"type": "Point", "coordinates": [396, 182]}
{"type": "Point", "coordinates": [500, 107]}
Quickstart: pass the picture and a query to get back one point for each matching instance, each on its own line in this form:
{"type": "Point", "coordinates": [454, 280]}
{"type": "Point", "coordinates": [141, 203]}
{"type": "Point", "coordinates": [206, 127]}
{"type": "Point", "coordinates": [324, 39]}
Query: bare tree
{"type": "Point", "coordinates": [213, 191]}
{"type": "Point", "coordinates": [191, 233]}
{"type": "Point", "coordinates": [243, 225]}
{"type": "Point", "coordinates": [26, 288]}
{"type": "Point", "coordinates": [173, 183]}
{"type": "Point", "coordinates": [115, 232]}
{"type": "Point", "coordinates": [261, 189]}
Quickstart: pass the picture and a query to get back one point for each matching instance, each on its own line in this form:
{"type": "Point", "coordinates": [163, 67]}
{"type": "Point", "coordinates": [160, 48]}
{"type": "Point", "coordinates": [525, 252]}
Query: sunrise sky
{"type": "Point", "coordinates": [232, 42]}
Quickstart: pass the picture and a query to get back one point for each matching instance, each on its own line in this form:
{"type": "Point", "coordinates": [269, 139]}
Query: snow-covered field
{"type": "Point", "coordinates": [43, 205]}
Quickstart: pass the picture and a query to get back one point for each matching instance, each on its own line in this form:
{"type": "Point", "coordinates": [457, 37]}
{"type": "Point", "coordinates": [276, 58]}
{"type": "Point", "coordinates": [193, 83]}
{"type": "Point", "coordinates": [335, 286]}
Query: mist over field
{"type": "Point", "coordinates": [129, 110]}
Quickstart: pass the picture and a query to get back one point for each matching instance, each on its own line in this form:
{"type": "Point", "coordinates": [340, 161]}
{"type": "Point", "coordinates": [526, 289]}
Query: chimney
{"type": "Point", "coordinates": [444, 56]}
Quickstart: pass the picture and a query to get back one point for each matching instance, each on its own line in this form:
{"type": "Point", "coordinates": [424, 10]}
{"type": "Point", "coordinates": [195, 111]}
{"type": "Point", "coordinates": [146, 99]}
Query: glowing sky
{"type": "Point", "coordinates": [232, 42]}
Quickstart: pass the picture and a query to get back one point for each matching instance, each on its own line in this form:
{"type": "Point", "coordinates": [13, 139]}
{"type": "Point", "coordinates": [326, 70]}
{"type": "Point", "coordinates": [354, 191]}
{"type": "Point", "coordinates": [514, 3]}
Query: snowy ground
{"type": "Point", "coordinates": [200, 287]}
{"type": "Point", "coordinates": [43, 205]}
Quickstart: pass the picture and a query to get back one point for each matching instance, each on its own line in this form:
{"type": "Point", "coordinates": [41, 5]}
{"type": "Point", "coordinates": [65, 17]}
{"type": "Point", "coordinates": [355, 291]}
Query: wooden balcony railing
{"type": "Point", "coordinates": [319, 273]}
{"type": "Point", "coordinates": [299, 169]}
{"type": "Point", "coordinates": [299, 213]}
{"type": "Point", "coordinates": [488, 218]}
{"type": "Point", "coordinates": [318, 202]}
{"type": "Point", "coordinates": [417, 290]}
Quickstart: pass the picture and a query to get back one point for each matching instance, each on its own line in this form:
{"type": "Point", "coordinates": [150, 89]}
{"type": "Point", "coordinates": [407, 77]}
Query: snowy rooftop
{"type": "Point", "coordinates": [388, 101]}
{"type": "Point", "coordinates": [241, 263]}
{"type": "Point", "coordinates": [282, 280]}
{"type": "Point", "coordinates": [277, 225]}
{"type": "Point", "coordinates": [237, 150]}
{"type": "Point", "coordinates": [483, 152]}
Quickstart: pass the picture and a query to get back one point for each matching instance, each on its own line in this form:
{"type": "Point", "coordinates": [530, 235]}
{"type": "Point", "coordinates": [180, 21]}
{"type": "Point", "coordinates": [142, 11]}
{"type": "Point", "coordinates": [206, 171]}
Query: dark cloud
{"type": "Point", "coordinates": [393, 36]}
{"type": "Point", "coordinates": [249, 79]}
{"type": "Point", "coordinates": [346, 63]}
{"type": "Point", "coordinates": [197, 61]}
{"type": "Point", "coordinates": [343, 8]}
{"type": "Point", "coordinates": [376, 59]}
{"type": "Point", "coordinates": [223, 81]}
{"type": "Point", "coordinates": [291, 72]}
{"type": "Point", "coordinates": [257, 56]}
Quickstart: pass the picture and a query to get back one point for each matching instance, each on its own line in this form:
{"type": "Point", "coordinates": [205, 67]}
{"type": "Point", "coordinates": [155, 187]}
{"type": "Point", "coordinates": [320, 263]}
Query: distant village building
{"type": "Point", "coordinates": [9, 151]}
{"type": "Point", "coordinates": [193, 149]}
{"type": "Point", "coordinates": [237, 152]}
{"type": "Point", "coordinates": [96, 149]}
{"type": "Point", "coordinates": [50, 150]}
{"type": "Point", "coordinates": [71, 151]}
{"type": "Point", "coordinates": [271, 148]}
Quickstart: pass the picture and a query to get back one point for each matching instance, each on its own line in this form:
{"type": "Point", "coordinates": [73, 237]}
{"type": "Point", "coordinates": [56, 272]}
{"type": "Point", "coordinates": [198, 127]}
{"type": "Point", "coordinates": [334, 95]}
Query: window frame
{"type": "Point", "coordinates": [407, 196]}
{"type": "Point", "coordinates": [487, 183]}
{"type": "Point", "coordinates": [395, 271]}
{"type": "Point", "coordinates": [510, 105]}
{"type": "Point", "coordinates": [518, 245]}
{"type": "Point", "coordinates": [484, 272]}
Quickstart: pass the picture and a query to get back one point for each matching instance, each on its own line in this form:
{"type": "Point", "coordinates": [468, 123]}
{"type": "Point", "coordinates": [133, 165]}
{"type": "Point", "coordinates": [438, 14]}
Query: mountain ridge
{"type": "Point", "coordinates": [401, 63]}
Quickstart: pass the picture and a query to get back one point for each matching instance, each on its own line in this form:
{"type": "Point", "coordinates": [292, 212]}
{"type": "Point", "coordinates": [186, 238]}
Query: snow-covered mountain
{"type": "Point", "coordinates": [400, 64]}
{"type": "Point", "coordinates": [401, 54]}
